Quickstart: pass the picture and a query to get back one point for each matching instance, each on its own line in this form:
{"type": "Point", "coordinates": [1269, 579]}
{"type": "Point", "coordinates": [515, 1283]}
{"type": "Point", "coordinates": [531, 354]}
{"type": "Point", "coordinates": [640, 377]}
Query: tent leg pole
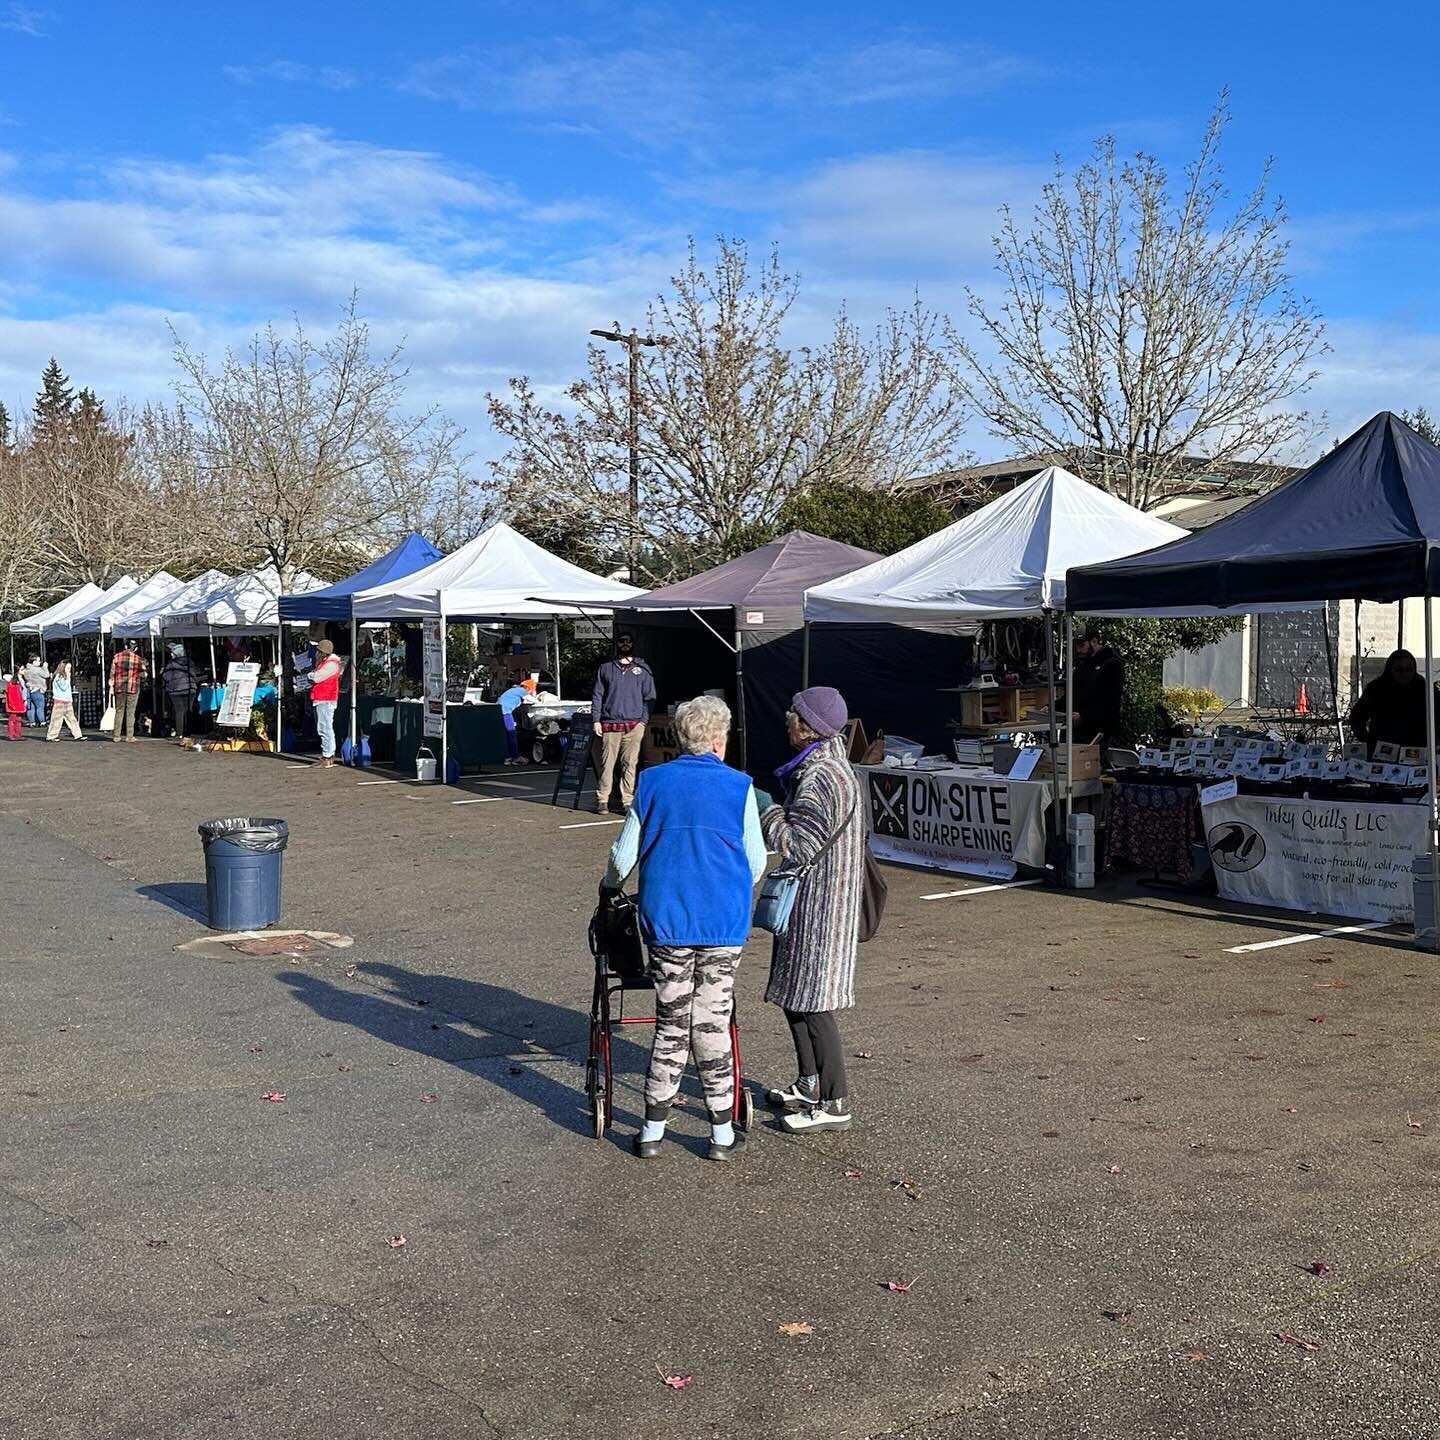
{"type": "Point", "coordinates": [279, 686]}
{"type": "Point", "coordinates": [555, 622]}
{"type": "Point", "coordinates": [1056, 802]}
{"type": "Point", "coordinates": [740, 700]}
{"type": "Point", "coordinates": [1069, 724]}
{"type": "Point", "coordinates": [1430, 741]}
{"type": "Point", "coordinates": [804, 654]}
{"type": "Point", "coordinates": [354, 685]}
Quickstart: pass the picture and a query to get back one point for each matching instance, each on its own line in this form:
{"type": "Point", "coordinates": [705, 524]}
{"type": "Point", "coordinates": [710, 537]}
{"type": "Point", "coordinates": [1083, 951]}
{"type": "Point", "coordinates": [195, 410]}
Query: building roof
{"type": "Point", "coordinates": [1197, 517]}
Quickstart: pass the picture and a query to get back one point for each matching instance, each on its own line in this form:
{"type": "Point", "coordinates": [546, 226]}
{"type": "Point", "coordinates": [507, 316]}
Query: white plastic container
{"type": "Point", "coordinates": [1424, 897]}
{"type": "Point", "coordinates": [426, 765]}
{"type": "Point", "coordinates": [1080, 836]}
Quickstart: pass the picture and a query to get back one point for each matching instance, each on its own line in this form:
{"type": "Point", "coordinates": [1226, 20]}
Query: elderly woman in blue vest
{"type": "Point", "coordinates": [819, 826]}
{"type": "Point", "coordinates": [694, 835]}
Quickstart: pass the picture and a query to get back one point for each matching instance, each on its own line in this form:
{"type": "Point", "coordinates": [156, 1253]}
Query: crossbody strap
{"type": "Point", "coordinates": [820, 854]}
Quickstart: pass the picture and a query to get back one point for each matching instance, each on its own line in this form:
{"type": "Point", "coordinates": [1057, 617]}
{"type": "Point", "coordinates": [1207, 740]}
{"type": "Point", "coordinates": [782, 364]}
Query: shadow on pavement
{"type": "Point", "coordinates": [422, 1013]}
{"type": "Point", "coordinates": [185, 896]}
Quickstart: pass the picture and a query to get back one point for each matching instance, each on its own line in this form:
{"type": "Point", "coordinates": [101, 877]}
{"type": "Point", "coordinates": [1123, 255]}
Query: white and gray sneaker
{"type": "Point", "coordinates": [795, 1096]}
{"type": "Point", "coordinates": [828, 1115]}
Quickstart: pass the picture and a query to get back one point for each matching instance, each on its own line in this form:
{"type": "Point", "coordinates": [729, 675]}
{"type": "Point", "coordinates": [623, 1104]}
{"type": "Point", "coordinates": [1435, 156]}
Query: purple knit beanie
{"type": "Point", "coordinates": [822, 709]}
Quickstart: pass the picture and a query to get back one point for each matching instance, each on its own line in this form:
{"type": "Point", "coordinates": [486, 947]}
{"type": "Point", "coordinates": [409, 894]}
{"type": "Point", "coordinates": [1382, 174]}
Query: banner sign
{"type": "Point", "coordinates": [951, 821]}
{"type": "Point", "coordinates": [433, 671]}
{"type": "Point", "coordinates": [1332, 857]}
{"type": "Point", "coordinates": [575, 758]}
{"type": "Point", "coordinates": [240, 680]}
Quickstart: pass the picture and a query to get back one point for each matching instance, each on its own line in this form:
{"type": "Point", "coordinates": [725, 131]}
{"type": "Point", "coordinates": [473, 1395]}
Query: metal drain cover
{"type": "Point", "coordinates": [275, 945]}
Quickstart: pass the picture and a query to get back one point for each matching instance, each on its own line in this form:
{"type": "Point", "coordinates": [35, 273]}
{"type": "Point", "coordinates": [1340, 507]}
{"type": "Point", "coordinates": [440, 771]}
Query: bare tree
{"type": "Point", "coordinates": [1140, 326]}
{"type": "Point", "coordinates": [305, 449]}
{"type": "Point", "coordinates": [728, 420]}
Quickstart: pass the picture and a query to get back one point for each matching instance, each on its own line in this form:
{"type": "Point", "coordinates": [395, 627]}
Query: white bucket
{"type": "Point", "coordinates": [426, 765]}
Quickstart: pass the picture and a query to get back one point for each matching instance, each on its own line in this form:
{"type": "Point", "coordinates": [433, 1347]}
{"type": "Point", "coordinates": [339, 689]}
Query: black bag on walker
{"type": "Point", "coordinates": [615, 934]}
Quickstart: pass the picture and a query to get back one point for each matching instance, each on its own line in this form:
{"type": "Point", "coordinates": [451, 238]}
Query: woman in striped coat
{"type": "Point", "coordinates": [812, 965]}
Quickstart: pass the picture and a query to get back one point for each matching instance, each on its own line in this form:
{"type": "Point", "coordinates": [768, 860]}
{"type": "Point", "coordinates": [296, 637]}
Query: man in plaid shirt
{"type": "Point", "coordinates": [127, 672]}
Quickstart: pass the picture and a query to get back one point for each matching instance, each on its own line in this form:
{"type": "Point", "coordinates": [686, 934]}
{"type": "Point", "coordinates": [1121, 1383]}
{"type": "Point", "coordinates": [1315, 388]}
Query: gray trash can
{"type": "Point", "coordinates": [242, 872]}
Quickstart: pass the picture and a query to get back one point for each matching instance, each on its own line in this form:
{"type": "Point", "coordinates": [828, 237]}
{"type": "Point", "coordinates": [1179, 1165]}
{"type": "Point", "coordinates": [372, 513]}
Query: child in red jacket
{"type": "Point", "coordinates": [14, 707]}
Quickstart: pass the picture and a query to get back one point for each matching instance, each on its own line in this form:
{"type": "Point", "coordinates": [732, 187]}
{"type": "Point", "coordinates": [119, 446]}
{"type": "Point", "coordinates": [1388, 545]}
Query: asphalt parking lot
{"type": "Point", "coordinates": [1140, 1181]}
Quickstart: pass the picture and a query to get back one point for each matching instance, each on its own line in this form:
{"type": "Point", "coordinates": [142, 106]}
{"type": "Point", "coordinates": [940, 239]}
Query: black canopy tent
{"type": "Point", "coordinates": [738, 628]}
{"type": "Point", "coordinates": [1363, 523]}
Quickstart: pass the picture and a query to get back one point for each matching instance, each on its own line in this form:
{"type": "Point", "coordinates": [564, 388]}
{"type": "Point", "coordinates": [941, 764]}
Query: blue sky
{"type": "Point", "coordinates": [497, 179]}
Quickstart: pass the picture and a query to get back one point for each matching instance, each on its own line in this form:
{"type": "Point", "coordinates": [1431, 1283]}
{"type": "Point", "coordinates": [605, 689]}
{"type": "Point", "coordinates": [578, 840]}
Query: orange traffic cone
{"type": "Point", "coordinates": [1302, 705]}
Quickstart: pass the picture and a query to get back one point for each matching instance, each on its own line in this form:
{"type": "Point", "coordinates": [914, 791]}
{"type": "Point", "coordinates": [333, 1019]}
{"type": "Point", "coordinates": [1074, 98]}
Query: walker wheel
{"type": "Point", "coordinates": [592, 1080]}
{"type": "Point", "coordinates": [746, 1118]}
{"type": "Point", "coordinates": [597, 1116]}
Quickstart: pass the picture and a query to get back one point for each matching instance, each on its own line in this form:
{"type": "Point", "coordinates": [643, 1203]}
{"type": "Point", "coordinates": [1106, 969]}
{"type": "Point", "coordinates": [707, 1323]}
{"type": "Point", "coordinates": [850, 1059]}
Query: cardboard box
{"type": "Point", "coordinates": [1087, 761]}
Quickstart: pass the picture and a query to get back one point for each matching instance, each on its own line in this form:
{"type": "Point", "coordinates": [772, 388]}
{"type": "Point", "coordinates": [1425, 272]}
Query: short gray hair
{"type": "Point", "coordinates": [700, 723]}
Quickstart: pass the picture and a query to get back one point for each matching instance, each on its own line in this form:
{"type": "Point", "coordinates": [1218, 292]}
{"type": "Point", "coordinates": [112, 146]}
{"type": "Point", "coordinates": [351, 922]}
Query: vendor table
{"type": "Point", "coordinates": [476, 734]}
{"type": "Point", "coordinates": [1334, 857]}
{"type": "Point", "coordinates": [1152, 827]}
{"type": "Point", "coordinates": [973, 822]}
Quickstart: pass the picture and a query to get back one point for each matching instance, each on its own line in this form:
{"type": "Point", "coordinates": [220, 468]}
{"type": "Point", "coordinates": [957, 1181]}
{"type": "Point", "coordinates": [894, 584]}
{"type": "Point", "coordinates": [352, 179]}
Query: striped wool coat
{"type": "Point", "coordinates": [812, 966]}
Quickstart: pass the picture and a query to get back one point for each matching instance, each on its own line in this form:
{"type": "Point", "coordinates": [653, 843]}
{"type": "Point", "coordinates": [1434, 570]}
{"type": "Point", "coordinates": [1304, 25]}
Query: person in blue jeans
{"type": "Point", "coordinates": [33, 678]}
{"type": "Point", "coordinates": [510, 701]}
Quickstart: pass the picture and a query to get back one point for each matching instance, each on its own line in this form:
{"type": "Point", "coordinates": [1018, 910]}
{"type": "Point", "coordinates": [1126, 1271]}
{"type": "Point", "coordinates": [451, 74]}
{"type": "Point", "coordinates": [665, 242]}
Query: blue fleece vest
{"type": "Point", "coordinates": [695, 882]}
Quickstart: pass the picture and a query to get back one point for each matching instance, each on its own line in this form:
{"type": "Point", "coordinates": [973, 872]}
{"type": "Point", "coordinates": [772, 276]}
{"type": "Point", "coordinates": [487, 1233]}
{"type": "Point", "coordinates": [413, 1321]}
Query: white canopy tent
{"type": "Point", "coordinates": [37, 623]}
{"type": "Point", "coordinates": [147, 620]}
{"type": "Point", "coordinates": [100, 617]}
{"type": "Point", "coordinates": [499, 575]}
{"type": "Point", "coordinates": [1006, 560]}
{"type": "Point", "coordinates": [247, 605]}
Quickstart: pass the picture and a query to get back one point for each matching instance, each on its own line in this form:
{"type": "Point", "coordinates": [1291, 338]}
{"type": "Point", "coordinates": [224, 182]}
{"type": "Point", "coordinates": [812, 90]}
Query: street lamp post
{"type": "Point", "coordinates": [632, 342]}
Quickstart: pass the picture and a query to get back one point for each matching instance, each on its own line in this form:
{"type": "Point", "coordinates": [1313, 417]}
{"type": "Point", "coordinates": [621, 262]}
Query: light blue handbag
{"type": "Point", "coordinates": [780, 888]}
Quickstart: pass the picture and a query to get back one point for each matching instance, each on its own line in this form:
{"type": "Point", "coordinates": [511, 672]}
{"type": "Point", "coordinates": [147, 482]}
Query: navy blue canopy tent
{"type": "Point", "coordinates": [334, 602]}
{"type": "Point", "coordinates": [1361, 524]}
{"type": "Point", "coordinates": [337, 601]}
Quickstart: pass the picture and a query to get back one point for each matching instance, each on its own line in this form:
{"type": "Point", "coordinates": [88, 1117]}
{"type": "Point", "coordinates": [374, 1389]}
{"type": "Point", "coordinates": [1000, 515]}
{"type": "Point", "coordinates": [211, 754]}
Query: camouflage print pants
{"type": "Point", "coordinates": [694, 999]}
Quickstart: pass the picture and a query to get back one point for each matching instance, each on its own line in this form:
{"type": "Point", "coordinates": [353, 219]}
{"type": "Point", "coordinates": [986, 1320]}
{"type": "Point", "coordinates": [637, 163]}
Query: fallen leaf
{"type": "Point", "coordinates": [675, 1382]}
{"type": "Point", "coordinates": [1413, 1123]}
{"type": "Point", "coordinates": [107, 856]}
{"type": "Point", "coordinates": [1120, 1317]}
{"type": "Point", "coordinates": [1049, 1134]}
{"type": "Point", "coordinates": [853, 1174]}
{"type": "Point", "coordinates": [1318, 1267]}
{"type": "Point", "coordinates": [327, 1054]}
{"type": "Point", "coordinates": [1143, 1039]}
{"type": "Point", "coordinates": [1196, 1356]}
{"type": "Point", "coordinates": [970, 1059]}
{"type": "Point", "coordinates": [349, 972]}
{"type": "Point", "coordinates": [1286, 1338]}
{"type": "Point", "coordinates": [256, 1049]}
{"type": "Point", "coordinates": [342, 1067]}
{"type": "Point", "coordinates": [1132, 1099]}
{"type": "Point", "coordinates": [392, 1062]}
{"type": "Point", "coordinates": [1330, 984]}
{"type": "Point", "coordinates": [1317, 1019]}
{"type": "Point", "coordinates": [1192, 955]}
{"type": "Point", "coordinates": [1116, 1170]}
{"type": "Point", "coordinates": [156, 1244]}
{"type": "Point", "coordinates": [517, 1069]}
{"type": "Point", "coordinates": [428, 1099]}
{"type": "Point", "coordinates": [1291, 1110]}
{"type": "Point", "coordinates": [864, 1054]}
{"type": "Point", "coordinates": [1072, 973]}
{"type": "Point", "coordinates": [395, 1241]}
{"type": "Point", "coordinates": [273, 1096]}
{"type": "Point", "coordinates": [793, 1328]}
{"type": "Point", "coordinates": [901, 1287]}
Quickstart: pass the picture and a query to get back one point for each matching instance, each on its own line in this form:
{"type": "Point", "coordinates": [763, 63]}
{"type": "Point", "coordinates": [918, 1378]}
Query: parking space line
{"type": "Point", "coordinates": [591, 824]}
{"type": "Point", "coordinates": [1308, 935]}
{"type": "Point", "coordinates": [979, 890]}
{"type": "Point", "coordinates": [363, 783]}
{"type": "Point", "coordinates": [481, 800]}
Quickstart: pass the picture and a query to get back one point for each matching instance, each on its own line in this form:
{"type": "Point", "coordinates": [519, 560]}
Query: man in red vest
{"type": "Point", "coordinates": [324, 695]}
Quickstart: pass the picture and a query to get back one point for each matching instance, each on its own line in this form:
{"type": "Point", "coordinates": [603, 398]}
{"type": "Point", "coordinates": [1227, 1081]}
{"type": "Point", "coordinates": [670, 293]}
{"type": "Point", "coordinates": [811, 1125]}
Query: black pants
{"type": "Point", "coordinates": [818, 1050]}
{"type": "Point", "coordinates": [180, 708]}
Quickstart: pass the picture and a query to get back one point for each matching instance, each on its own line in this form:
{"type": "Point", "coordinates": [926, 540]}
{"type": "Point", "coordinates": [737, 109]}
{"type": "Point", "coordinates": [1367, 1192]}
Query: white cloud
{"type": "Point", "coordinates": [290, 72]}
{"type": "Point", "coordinates": [26, 20]}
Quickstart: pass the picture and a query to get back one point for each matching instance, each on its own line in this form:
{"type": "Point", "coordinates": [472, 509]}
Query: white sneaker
{"type": "Point", "coordinates": [830, 1115]}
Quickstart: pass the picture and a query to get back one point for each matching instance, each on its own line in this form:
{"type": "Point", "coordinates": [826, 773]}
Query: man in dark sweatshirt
{"type": "Point", "coordinates": [620, 707]}
{"type": "Point", "coordinates": [1099, 690]}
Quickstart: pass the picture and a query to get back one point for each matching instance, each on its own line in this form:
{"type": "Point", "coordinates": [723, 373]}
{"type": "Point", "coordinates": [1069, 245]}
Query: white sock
{"type": "Point", "coordinates": [722, 1134]}
{"type": "Point", "coordinates": [652, 1130]}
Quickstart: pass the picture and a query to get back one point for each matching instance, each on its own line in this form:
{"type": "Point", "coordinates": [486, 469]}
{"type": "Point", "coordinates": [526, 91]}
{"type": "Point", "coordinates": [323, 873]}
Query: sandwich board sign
{"type": "Point", "coordinates": [574, 759]}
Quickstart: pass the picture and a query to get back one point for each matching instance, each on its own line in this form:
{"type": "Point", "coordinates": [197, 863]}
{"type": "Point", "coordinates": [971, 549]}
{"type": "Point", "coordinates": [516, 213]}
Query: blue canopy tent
{"type": "Point", "coordinates": [336, 602]}
{"type": "Point", "coordinates": [1363, 523]}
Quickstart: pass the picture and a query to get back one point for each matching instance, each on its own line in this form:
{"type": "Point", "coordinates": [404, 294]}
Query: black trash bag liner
{"type": "Point", "coordinates": [264, 836]}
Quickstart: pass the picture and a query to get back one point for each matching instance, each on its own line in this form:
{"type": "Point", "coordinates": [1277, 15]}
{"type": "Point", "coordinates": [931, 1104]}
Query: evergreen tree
{"type": "Point", "coordinates": [4, 428]}
{"type": "Point", "coordinates": [55, 403]}
{"type": "Point", "coordinates": [89, 410]}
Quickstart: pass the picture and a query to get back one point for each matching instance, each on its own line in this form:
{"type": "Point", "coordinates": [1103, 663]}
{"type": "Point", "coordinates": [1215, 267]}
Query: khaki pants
{"type": "Point", "coordinates": [622, 746]}
{"type": "Point", "coordinates": [62, 712]}
{"type": "Point", "coordinates": [126, 703]}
